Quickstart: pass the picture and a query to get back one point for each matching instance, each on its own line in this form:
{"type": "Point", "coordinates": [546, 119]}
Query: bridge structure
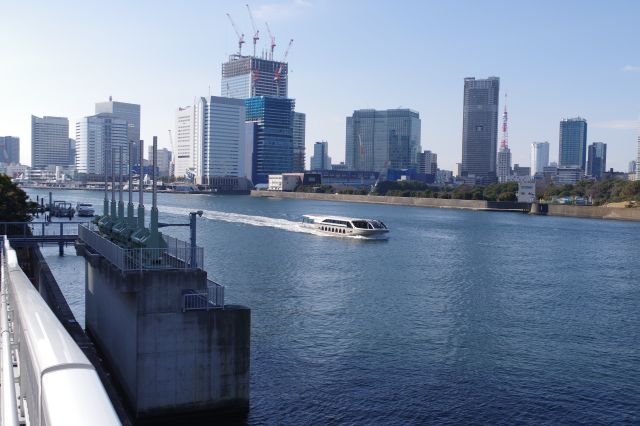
{"type": "Point", "coordinates": [22, 234]}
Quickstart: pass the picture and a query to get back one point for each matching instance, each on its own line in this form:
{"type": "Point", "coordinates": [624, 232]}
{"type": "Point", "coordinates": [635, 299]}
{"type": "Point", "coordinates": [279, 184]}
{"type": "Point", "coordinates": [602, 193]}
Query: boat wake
{"type": "Point", "coordinates": [262, 221]}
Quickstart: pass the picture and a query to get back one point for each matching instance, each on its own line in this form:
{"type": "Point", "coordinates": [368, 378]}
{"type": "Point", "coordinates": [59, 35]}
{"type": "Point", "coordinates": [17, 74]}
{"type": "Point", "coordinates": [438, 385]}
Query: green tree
{"type": "Point", "coordinates": [14, 204]}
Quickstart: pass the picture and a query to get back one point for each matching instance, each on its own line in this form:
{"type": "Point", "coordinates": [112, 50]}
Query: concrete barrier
{"type": "Point", "coordinates": [377, 199]}
{"type": "Point", "coordinates": [594, 212]}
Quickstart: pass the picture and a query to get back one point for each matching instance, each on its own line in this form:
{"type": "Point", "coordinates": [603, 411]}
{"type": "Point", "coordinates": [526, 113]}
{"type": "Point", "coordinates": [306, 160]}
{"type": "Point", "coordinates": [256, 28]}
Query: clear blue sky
{"type": "Point", "coordinates": [555, 59]}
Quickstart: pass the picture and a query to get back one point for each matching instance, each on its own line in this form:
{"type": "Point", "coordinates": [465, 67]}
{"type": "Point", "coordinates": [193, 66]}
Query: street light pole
{"type": "Point", "coordinates": [192, 228]}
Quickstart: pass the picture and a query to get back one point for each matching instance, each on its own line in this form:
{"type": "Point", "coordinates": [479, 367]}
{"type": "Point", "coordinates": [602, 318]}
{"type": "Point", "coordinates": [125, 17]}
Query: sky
{"type": "Point", "coordinates": [555, 59]}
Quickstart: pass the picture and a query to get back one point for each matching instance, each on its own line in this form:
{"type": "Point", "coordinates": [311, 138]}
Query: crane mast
{"type": "Point", "coordinates": [273, 40]}
{"type": "Point", "coordinates": [240, 36]}
{"type": "Point", "coordinates": [256, 33]}
{"type": "Point", "coordinates": [278, 72]}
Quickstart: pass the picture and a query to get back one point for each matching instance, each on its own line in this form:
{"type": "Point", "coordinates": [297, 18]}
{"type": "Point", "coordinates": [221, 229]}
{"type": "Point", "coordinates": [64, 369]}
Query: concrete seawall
{"type": "Point", "coordinates": [594, 212]}
{"type": "Point", "coordinates": [376, 199]}
{"type": "Point", "coordinates": [591, 212]}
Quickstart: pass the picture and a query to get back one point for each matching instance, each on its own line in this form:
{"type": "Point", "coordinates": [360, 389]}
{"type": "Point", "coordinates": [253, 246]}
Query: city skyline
{"type": "Point", "coordinates": [138, 58]}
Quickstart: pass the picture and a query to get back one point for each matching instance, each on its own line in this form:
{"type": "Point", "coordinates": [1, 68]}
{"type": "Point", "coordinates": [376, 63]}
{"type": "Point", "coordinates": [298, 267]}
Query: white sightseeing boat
{"type": "Point", "coordinates": [346, 226]}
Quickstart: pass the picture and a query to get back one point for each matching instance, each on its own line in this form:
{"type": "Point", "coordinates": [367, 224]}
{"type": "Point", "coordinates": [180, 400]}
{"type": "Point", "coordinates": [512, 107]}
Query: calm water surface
{"type": "Point", "coordinates": [459, 317]}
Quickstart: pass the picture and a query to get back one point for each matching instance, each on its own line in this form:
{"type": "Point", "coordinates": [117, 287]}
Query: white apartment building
{"type": "Point", "coordinates": [539, 157]}
{"type": "Point", "coordinates": [211, 140]}
{"type": "Point", "coordinates": [96, 137]}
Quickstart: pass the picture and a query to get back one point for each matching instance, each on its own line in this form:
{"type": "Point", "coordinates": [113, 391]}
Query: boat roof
{"type": "Point", "coordinates": [319, 218]}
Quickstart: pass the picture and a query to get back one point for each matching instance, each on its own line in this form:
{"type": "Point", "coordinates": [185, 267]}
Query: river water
{"type": "Point", "coordinates": [459, 317]}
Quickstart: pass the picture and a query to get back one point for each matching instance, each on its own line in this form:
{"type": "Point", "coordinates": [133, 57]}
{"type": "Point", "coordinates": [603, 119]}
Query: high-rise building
{"type": "Point", "coordinates": [427, 163]}
{"type": "Point", "coordinates": [164, 160]}
{"type": "Point", "coordinates": [273, 145]}
{"type": "Point", "coordinates": [49, 141]}
{"type": "Point", "coordinates": [632, 167]}
{"type": "Point", "coordinates": [573, 143]}
{"type": "Point", "coordinates": [224, 146]}
{"type": "Point", "coordinates": [299, 124]}
{"type": "Point", "coordinates": [211, 140]}
{"type": "Point", "coordinates": [188, 139]}
{"type": "Point", "coordinates": [539, 157]}
{"type": "Point", "coordinates": [504, 164]}
{"type": "Point", "coordinates": [128, 112]}
{"type": "Point", "coordinates": [245, 77]}
{"type": "Point", "coordinates": [377, 140]}
{"type": "Point", "coordinates": [72, 151]}
{"type": "Point", "coordinates": [480, 128]}
{"type": "Point", "coordinates": [320, 159]}
{"type": "Point", "coordinates": [9, 150]}
{"type": "Point", "coordinates": [638, 161]}
{"type": "Point", "coordinates": [97, 137]}
{"type": "Point", "coordinates": [597, 162]}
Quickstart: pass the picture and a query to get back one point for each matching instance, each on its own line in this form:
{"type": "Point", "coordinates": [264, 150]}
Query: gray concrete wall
{"type": "Point", "coordinates": [168, 361]}
{"type": "Point", "coordinates": [376, 199]}
{"type": "Point", "coordinates": [595, 212]}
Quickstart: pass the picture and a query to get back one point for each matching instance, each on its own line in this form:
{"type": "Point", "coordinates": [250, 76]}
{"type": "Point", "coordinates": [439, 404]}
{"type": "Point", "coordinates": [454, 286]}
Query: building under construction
{"type": "Point", "coordinates": [245, 77]}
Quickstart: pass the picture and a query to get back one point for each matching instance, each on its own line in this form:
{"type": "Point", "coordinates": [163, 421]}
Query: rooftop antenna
{"type": "Point", "coordinates": [240, 36]}
{"type": "Point", "coordinates": [256, 33]}
{"type": "Point", "coordinates": [273, 41]}
{"type": "Point", "coordinates": [141, 189]}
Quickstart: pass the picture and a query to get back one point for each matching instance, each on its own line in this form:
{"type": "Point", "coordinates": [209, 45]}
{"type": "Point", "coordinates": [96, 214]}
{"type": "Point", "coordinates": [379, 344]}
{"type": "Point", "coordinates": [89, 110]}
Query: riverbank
{"type": "Point", "coordinates": [591, 212]}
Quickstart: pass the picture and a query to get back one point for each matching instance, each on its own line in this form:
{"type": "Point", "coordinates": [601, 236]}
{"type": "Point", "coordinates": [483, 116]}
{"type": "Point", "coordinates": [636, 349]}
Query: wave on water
{"type": "Point", "coordinates": [263, 221]}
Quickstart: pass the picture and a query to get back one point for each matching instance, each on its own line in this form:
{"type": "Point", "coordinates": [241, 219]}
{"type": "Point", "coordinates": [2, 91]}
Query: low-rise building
{"type": "Point", "coordinates": [526, 192]}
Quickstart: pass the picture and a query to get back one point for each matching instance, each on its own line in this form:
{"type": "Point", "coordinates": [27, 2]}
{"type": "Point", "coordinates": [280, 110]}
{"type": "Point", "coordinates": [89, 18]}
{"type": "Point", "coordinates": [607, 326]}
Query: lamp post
{"type": "Point", "coordinates": [192, 227]}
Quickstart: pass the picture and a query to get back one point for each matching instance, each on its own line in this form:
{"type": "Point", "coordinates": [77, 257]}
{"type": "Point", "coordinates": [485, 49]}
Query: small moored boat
{"type": "Point", "coordinates": [346, 226]}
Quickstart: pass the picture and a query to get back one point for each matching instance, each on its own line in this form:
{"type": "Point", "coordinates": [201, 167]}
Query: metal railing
{"type": "Point", "coordinates": [57, 383]}
{"type": "Point", "coordinates": [213, 298]}
{"type": "Point", "coordinates": [39, 229]}
{"type": "Point", "coordinates": [177, 255]}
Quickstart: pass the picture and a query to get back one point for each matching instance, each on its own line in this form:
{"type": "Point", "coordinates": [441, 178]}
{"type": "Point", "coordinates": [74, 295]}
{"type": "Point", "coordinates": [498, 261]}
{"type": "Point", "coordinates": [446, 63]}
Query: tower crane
{"type": "Point", "coordinates": [240, 36]}
{"type": "Point", "coordinates": [273, 40]}
{"type": "Point", "coordinates": [256, 33]}
{"type": "Point", "coordinates": [278, 72]}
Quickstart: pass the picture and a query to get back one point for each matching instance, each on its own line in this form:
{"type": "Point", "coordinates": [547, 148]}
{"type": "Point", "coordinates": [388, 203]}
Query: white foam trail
{"type": "Point", "coordinates": [263, 221]}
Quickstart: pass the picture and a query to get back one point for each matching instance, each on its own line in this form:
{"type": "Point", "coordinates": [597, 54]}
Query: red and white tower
{"type": "Point", "coordinates": [504, 154]}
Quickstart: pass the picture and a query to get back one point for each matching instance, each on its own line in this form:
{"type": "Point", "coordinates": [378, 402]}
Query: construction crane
{"type": "Point", "coordinates": [273, 40]}
{"type": "Point", "coordinates": [240, 36]}
{"type": "Point", "coordinates": [278, 72]}
{"type": "Point", "coordinates": [256, 33]}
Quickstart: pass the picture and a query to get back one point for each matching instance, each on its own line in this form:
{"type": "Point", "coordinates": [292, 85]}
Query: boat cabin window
{"type": "Point", "coordinates": [307, 220]}
{"type": "Point", "coordinates": [377, 224]}
{"type": "Point", "coordinates": [360, 224]}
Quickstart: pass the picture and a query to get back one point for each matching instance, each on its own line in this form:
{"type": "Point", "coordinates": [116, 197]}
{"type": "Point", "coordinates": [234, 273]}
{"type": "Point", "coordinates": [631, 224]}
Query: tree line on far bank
{"type": "Point", "coordinates": [607, 191]}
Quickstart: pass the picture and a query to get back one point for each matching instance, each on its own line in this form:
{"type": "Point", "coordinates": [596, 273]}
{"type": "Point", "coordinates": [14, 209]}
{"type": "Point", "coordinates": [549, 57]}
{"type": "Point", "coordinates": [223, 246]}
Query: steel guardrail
{"type": "Point", "coordinates": [176, 255]}
{"type": "Point", "coordinates": [58, 384]}
{"type": "Point", "coordinates": [213, 298]}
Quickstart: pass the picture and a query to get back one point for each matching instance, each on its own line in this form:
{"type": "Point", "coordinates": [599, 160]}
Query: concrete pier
{"type": "Point", "coordinates": [168, 360]}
